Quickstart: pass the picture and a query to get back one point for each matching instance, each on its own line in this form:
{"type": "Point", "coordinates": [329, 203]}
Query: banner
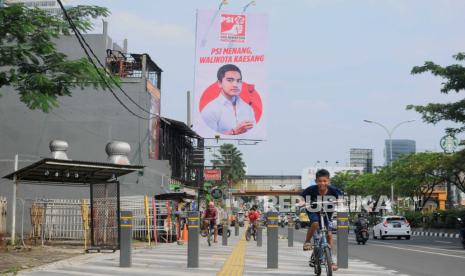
{"type": "Point", "coordinates": [230, 75]}
{"type": "Point", "coordinates": [212, 174]}
{"type": "Point", "coordinates": [154, 122]}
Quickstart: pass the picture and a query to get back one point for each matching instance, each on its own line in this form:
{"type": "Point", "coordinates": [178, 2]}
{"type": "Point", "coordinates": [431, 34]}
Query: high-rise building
{"type": "Point", "coordinates": [51, 6]}
{"type": "Point", "coordinates": [362, 158]}
{"type": "Point", "coordinates": [399, 148]}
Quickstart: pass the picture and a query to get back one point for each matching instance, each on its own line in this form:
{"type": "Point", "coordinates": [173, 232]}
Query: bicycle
{"type": "Point", "coordinates": [321, 251]}
{"type": "Point", "coordinates": [251, 231]}
{"type": "Point", "coordinates": [208, 232]}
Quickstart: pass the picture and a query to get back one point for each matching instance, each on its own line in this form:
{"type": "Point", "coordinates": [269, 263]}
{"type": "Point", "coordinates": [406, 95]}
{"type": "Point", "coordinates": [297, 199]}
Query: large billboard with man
{"type": "Point", "coordinates": [230, 75]}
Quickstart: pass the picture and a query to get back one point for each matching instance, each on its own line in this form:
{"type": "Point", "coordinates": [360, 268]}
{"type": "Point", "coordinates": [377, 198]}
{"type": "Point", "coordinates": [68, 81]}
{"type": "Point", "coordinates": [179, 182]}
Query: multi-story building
{"type": "Point", "coordinates": [399, 147]}
{"type": "Point", "coordinates": [50, 6]}
{"type": "Point", "coordinates": [92, 117]}
{"type": "Point", "coordinates": [362, 158]}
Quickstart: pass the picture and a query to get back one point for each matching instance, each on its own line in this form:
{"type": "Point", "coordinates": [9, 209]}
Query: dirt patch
{"type": "Point", "coordinates": [15, 259]}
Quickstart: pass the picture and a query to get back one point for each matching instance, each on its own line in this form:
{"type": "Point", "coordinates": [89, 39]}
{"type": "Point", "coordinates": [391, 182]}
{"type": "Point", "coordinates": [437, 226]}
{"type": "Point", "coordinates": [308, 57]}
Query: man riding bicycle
{"type": "Point", "coordinates": [253, 215]}
{"type": "Point", "coordinates": [209, 219]}
{"type": "Point", "coordinates": [316, 193]}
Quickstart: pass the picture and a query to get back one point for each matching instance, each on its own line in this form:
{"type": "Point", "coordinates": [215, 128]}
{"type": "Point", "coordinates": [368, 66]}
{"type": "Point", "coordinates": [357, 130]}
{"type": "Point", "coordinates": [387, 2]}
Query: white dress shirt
{"type": "Point", "coordinates": [219, 114]}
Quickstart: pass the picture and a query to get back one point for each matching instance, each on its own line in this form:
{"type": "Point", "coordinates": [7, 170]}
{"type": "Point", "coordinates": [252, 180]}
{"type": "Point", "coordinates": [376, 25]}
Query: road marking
{"type": "Point", "coordinates": [415, 250]}
{"type": "Point", "coordinates": [428, 247]}
{"type": "Point", "coordinates": [234, 265]}
{"type": "Point", "coordinates": [443, 241]}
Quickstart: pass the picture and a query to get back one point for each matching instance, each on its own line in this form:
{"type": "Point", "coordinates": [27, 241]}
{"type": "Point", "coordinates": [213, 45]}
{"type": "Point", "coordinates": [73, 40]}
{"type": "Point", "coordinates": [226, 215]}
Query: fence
{"type": "Point", "coordinates": [62, 219]}
{"type": "Point", "coordinates": [2, 216]}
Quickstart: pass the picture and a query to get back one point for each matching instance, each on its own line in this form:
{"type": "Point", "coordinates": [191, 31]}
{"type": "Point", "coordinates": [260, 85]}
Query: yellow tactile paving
{"type": "Point", "coordinates": [234, 265]}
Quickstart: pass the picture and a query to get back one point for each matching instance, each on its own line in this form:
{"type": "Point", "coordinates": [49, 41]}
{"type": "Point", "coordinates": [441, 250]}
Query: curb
{"type": "Point", "coordinates": [436, 234]}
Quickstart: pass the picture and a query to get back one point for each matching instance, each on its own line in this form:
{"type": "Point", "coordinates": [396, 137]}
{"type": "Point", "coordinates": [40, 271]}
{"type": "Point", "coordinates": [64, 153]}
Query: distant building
{"type": "Point", "coordinates": [50, 6]}
{"type": "Point", "coordinates": [362, 158]}
{"type": "Point", "coordinates": [399, 147]}
{"type": "Point", "coordinates": [308, 174]}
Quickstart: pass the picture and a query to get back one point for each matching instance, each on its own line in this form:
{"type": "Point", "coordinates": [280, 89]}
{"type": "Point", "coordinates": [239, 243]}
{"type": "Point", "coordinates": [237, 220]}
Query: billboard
{"type": "Point", "coordinates": [154, 122]}
{"type": "Point", "coordinates": [308, 174]}
{"type": "Point", "coordinates": [212, 174]}
{"type": "Point", "coordinates": [230, 75]}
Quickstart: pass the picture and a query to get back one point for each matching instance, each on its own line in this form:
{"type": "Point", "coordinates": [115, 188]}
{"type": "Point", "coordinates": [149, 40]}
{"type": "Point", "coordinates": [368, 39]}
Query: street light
{"type": "Point", "coordinates": [390, 132]}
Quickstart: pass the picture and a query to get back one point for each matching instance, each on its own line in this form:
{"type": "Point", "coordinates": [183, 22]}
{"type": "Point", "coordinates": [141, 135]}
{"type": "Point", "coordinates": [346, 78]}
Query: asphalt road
{"type": "Point", "coordinates": [417, 256]}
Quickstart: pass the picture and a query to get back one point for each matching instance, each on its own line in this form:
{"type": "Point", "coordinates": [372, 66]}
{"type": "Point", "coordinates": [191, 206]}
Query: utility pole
{"type": "Point", "coordinates": [390, 132]}
{"type": "Point", "coordinates": [13, 208]}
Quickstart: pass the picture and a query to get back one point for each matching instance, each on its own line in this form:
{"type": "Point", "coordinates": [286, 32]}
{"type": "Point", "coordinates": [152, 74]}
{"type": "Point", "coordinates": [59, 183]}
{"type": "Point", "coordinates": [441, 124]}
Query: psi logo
{"type": "Point", "coordinates": [232, 27]}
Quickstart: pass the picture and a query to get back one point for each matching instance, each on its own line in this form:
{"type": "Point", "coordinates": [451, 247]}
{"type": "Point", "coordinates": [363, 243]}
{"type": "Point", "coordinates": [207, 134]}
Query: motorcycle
{"type": "Point", "coordinates": [362, 235]}
{"type": "Point", "coordinates": [282, 221]}
{"type": "Point", "coordinates": [220, 230]}
{"type": "Point", "coordinates": [462, 231]}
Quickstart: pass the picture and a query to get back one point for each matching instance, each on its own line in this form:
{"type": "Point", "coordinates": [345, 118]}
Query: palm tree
{"type": "Point", "coordinates": [229, 160]}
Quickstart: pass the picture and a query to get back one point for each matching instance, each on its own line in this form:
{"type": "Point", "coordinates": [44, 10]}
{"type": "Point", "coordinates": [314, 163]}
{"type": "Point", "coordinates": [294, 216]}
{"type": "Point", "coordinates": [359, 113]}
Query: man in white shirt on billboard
{"type": "Point", "coordinates": [228, 113]}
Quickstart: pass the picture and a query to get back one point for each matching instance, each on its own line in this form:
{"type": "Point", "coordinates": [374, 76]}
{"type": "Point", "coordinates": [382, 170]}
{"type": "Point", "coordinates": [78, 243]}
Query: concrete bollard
{"type": "Point", "coordinates": [259, 234]}
{"type": "Point", "coordinates": [272, 240]}
{"type": "Point", "coordinates": [236, 229]}
{"type": "Point", "coordinates": [125, 239]}
{"type": "Point", "coordinates": [224, 237]}
{"type": "Point", "coordinates": [193, 239]}
{"type": "Point", "coordinates": [342, 240]}
{"type": "Point", "coordinates": [290, 232]}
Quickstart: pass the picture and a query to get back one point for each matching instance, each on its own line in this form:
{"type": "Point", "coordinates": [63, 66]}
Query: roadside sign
{"type": "Point", "coordinates": [212, 174]}
{"type": "Point", "coordinates": [217, 193]}
{"type": "Point", "coordinates": [449, 143]}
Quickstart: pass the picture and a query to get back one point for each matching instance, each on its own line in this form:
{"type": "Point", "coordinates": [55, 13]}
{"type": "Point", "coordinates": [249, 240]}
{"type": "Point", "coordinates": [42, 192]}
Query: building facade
{"type": "Point", "coordinates": [399, 147]}
{"type": "Point", "coordinates": [91, 118]}
{"type": "Point", "coordinates": [362, 158]}
{"type": "Point", "coordinates": [308, 174]}
{"type": "Point", "coordinates": [50, 6]}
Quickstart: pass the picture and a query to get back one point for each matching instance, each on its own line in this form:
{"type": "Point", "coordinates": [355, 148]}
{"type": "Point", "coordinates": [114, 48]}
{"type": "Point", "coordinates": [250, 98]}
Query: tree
{"type": "Point", "coordinates": [229, 160]}
{"type": "Point", "coordinates": [341, 179]}
{"type": "Point", "coordinates": [418, 175]}
{"type": "Point", "coordinates": [456, 170]}
{"type": "Point", "coordinates": [30, 62]}
{"type": "Point", "coordinates": [454, 76]}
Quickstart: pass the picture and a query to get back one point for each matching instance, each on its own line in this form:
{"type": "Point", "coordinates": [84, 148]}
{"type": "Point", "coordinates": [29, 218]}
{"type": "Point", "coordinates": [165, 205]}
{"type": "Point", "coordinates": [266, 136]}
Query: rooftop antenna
{"type": "Point", "coordinates": [223, 2]}
{"type": "Point", "coordinates": [251, 3]}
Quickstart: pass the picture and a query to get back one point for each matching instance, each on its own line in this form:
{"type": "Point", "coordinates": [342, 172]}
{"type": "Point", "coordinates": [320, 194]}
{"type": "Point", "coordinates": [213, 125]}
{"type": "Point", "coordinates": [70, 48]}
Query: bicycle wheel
{"type": "Point", "coordinates": [209, 238]}
{"type": "Point", "coordinates": [247, 235]}
{"type": "Point", "coordinates": [329, 262]}
{"type": "Point", "coordinates": [316, 261]}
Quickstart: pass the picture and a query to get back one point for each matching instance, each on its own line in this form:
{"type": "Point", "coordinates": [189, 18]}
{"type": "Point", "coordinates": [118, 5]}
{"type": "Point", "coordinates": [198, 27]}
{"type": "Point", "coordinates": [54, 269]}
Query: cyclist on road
{"type": "Point", "coordinates": [316, 193]}
{"type": "Point", "coordinates": [209, 219]}
{"type": "Point", "coordinates": [254, 215]}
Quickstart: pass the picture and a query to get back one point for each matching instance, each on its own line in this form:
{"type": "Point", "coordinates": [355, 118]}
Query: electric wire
{"type": "Point", "coordinates": [79, 37]}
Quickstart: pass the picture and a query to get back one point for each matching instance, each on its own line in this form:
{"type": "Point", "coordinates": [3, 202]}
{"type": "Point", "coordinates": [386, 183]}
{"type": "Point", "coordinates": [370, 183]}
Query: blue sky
{"type": "Point", "coordinates": [331, 65]}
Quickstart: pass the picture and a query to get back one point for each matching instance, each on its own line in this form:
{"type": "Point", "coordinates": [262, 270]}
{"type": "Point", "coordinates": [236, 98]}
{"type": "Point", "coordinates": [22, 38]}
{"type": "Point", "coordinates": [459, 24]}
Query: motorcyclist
{"type": "Point", "coordinates": [462, 230]}
{"type": "Point", "coordinates": [360, 224]}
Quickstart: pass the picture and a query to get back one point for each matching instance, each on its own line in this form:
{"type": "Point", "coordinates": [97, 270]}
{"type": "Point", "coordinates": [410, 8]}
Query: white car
{"type": "Point", "coordinates": [392, 226]}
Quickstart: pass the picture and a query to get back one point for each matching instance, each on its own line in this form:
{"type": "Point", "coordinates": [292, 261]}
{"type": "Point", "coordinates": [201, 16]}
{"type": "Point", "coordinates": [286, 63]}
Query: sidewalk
{"type": "Point", "coordinates": [238, 258]}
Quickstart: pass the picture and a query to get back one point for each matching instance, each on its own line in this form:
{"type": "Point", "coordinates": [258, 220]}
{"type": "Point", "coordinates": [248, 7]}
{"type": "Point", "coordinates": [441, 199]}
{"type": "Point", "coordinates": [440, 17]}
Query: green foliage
{"type": "Point", "coordinates": [455, 169]}
{"type": "Point", "coordinates": [368, 184]}
{"type": "Point", "coordinates": [437, 219]}
{"type": "Point", "coordinates": [454, 80]}
{"type": "Point", "coordinates": [417, 175]}
{"type": "Point", "coordinates": [30, 62]}
{"type": "Point", "coordinates": [341, 179]}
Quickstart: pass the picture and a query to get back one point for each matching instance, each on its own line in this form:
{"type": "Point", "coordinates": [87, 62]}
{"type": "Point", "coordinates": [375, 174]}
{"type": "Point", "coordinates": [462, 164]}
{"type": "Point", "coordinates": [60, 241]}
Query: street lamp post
{"type": "Point", "coordinates": [390, 132]}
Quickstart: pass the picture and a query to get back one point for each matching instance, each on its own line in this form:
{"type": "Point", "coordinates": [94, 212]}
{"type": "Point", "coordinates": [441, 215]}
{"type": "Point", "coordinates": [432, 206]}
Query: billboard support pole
{"type": "Point", "coordinates": [189, 121]}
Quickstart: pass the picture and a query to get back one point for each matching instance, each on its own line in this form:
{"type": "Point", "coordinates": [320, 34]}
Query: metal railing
{"type": "Point", "coordinates": [62, 219]}
{"type": "Point", "coordinates": [3, 205]}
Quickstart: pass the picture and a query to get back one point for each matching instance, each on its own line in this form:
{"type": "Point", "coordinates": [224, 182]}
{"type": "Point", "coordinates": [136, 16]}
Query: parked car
{"type": "Point", "coordinates": [392, 226]}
